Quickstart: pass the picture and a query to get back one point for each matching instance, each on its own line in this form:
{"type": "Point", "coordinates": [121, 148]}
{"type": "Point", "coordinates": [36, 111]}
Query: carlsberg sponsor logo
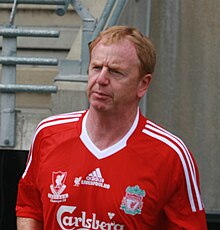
{"type": "Point", "coordinates": [67, 221]}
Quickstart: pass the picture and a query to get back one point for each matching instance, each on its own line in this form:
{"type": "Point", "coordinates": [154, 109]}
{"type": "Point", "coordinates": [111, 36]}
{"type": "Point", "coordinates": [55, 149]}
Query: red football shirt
{"type": "Point", "coordinates": [148, 180]}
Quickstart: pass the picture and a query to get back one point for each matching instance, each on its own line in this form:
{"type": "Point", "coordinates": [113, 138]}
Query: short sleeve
{"type": "Point", "coordinates": [28, 199]}
{"type": "Point", "coordinates": [184, 208]}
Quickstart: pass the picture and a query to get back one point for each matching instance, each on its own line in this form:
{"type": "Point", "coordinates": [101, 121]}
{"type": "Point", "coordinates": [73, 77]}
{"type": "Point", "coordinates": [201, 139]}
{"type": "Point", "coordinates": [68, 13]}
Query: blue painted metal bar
{"type": "Point", "coordinates": [40, 2]}
{"type": "Point", "coordinates": [9, 88]}
{"type": "Point", "coordinates": [7, 118]}
{"type": "Point", "coordinates": [89, 23]}
{"type": "Point", "coordinates": [103, 19]}
{"type": "Point", "coordinates": [28, 61]}
{"type": "Point", "coordinates": [12, 32]}
{"type": "Point", "coordinates": [13, 12]}
{"type": "Point", "coordinates": [61, 9]}
{"type": "Point", "coordinates": [117, 12]}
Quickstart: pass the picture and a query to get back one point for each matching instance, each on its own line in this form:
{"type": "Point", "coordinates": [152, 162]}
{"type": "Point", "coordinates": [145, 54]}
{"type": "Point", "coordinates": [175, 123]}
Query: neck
{"type": "Point", "coordinates": [105, 130]}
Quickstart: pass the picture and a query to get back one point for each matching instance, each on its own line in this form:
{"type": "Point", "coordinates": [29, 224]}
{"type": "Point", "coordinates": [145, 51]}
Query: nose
{"type": "Point", "coordinates": [103, 78]}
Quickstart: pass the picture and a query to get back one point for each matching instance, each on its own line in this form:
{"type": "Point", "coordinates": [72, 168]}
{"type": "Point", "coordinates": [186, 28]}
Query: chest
{"type": "Point", "coordinates": [122, 188]}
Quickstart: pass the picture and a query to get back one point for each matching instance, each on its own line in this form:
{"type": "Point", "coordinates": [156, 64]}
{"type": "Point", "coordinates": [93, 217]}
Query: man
{"type": "Point", "coordinates": [109, 167]}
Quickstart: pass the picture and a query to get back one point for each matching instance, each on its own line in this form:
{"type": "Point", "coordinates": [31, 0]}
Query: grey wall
{"type": "Point", "coordinates": [185, 92]}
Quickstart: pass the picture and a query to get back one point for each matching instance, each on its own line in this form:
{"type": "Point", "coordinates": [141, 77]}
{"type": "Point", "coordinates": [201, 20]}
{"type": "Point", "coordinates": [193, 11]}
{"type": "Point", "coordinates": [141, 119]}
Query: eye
{"type": "Point", "coordinates": [96, 67]}
{"type": "Point", "coordinates": [116, 73]}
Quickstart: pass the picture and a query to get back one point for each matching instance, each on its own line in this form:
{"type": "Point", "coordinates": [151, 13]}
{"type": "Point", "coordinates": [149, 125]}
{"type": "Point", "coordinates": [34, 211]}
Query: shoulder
{"type": "Point", "coordinates": [167, 147]}
{"type": "Point", "coordinates": [58, 123]}
{"type": "Point", "coordinates": [173, 149]}
{"type": "Point", "coordinates": [160, 137]}
{"type": "Point", "coordinates": [179, 160]}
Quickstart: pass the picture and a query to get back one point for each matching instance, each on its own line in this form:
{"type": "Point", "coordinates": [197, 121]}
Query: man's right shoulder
{"type": "Point", "coordinates": [59, 123]}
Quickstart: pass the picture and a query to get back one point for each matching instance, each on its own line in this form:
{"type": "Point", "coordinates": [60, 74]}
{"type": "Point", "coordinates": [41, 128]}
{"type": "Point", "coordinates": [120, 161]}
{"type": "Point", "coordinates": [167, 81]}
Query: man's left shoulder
{"type": "Point", "coordinates": [158, 140]}
{"type": "Point", "coordinates": [163, 136]}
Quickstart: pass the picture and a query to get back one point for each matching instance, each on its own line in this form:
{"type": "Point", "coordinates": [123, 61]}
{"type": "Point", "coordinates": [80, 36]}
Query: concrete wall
{"type": "Point", "coordinates": [185, 92]}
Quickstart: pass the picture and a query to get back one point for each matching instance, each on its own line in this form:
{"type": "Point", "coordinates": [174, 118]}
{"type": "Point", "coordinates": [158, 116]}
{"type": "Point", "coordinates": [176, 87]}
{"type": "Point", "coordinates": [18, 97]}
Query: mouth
{"type": "Point", "coordinates": [100, 95]}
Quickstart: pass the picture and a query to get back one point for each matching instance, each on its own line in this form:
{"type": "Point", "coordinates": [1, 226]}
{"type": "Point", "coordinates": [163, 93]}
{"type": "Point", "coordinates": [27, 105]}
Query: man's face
{"type": "Point", "coordinates": [114, 83]}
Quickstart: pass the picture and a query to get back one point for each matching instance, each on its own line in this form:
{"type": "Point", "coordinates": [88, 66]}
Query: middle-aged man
{"type": "Point", "coordinates": [109, 167]}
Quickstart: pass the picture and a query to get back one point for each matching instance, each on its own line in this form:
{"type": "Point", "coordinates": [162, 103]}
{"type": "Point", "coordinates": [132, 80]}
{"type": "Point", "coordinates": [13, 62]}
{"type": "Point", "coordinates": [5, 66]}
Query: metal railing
{"type": "Point", "coordinates": [9, 61]}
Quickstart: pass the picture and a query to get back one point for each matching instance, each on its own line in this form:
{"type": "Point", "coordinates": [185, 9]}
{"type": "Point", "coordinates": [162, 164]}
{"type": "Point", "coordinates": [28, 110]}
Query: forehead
{"type": "Point", "coordinates": [121, 52]}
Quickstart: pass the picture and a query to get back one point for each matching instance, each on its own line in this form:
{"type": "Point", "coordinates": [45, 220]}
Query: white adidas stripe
{"type": "Point", "coordinates": [182, 146]}
{"type": "Point", "coordinates": [180, 142]}
{"type": "Point", "coordinates": [178, 146]}
{"type": "Point", "coordinates": [61, 116]}
{"type": "Point", "coordinates": [72, 117]}
{"type": "Point", "coordinates": [98, 173]}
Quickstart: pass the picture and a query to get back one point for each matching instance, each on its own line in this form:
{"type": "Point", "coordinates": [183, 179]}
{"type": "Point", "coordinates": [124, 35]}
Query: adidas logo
{"type": "Point", "coordinates": [93, 179]}
{"type": "Point", "coordinates": [95, 176]}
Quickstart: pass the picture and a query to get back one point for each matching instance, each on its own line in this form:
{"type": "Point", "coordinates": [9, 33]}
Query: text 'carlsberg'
{"type": "Point", "coordinates": [68, 222]}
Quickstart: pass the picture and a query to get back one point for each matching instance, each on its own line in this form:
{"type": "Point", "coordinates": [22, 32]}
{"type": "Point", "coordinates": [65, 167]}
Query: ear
{"type": "Point", "coordinates": [143, 85]}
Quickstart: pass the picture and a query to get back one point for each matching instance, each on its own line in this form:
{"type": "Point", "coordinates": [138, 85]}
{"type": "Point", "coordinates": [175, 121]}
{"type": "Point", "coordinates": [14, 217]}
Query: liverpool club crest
{"type": "Point", "coordinates": [58, 186]}
{"type": "Point", "coordinates": [132, 202]}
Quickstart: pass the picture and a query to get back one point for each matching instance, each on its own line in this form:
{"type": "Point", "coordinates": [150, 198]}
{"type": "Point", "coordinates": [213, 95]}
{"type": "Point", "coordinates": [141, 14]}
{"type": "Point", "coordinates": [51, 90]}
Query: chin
{"type": "Point", "coordinates": [99, 107]}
